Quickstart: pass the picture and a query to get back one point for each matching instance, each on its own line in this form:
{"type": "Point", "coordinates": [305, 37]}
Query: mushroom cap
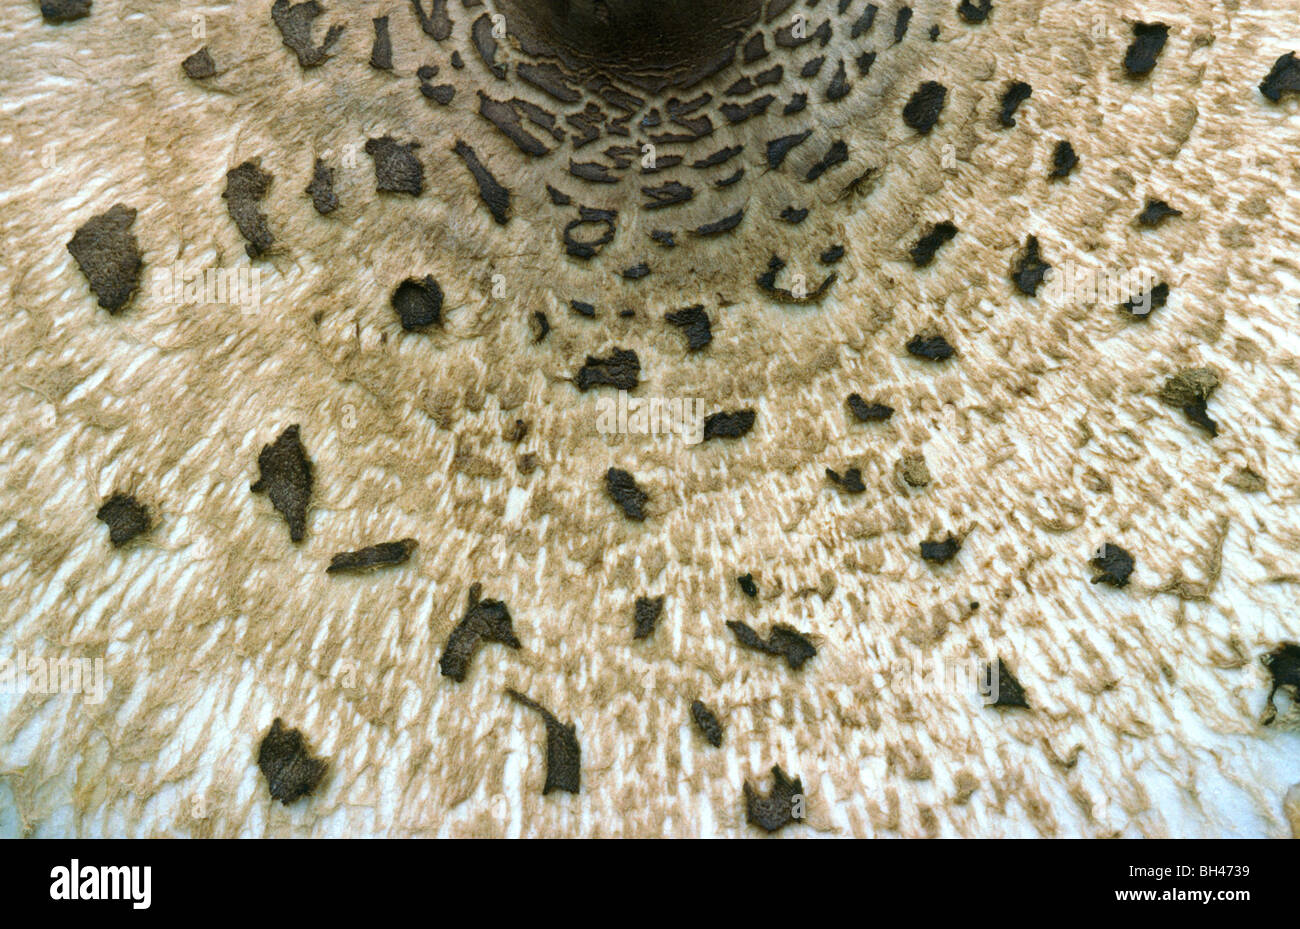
{"type": "Point", "coordinates": [1044, 435]}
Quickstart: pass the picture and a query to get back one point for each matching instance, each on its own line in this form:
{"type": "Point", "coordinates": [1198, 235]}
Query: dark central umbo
{"type": "Point", "coordinates": [651, 44]}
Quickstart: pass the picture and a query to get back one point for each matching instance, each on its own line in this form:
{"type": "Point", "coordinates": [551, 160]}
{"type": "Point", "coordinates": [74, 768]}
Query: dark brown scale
{"type": "Point", "coordinates": [287, 764]}
{"type": "Point", "coordinates": [780, 807]}
{"type": "Point", "coordinates": [563, 754]}
{"type": "Point", "coordinates": [484, 621]}
{"type": "Point", "coordinates": [372, 557]}
{"type": "Point", "coordinates": [286, 477]}
{"type": "Point", "coordinates": [126, 518]}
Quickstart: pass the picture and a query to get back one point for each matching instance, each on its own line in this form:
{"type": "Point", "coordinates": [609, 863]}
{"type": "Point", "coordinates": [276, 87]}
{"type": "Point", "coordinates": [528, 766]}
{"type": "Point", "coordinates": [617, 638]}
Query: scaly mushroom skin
{"type": "Point", "coordinates": [888, 278]}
